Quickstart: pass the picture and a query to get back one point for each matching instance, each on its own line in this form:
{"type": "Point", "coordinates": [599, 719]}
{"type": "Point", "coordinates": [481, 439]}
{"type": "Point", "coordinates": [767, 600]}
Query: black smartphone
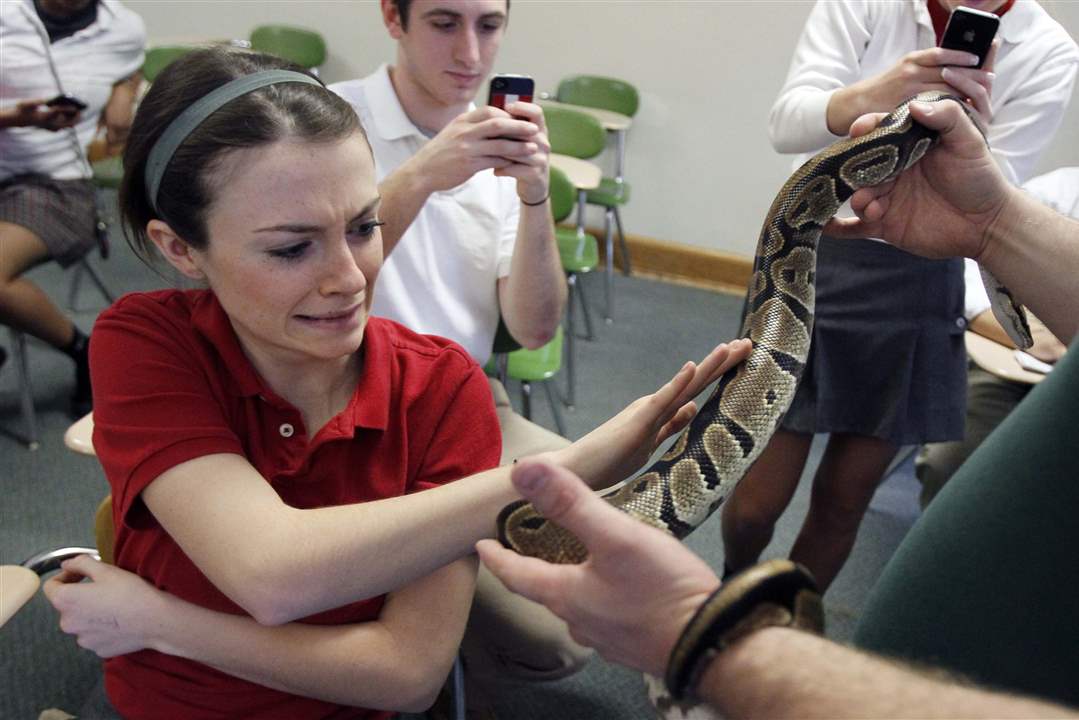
{"type": "Point", "coordinates": [66, 101]}
{"type": "Point", "coordinates": [506, 89]}
{"type": "Point", "coordinates": [971, 31]}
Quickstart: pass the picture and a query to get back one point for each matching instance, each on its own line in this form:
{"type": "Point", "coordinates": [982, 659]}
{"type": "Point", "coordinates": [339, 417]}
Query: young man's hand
{"type": "Point", "coordinates": [531, 170]}
{"type": "Point", "coordinates": [480, 139]}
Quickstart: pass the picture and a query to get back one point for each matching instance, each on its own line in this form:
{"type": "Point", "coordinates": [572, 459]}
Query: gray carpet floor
{"type": "Point", "coordinates": [49, 495]}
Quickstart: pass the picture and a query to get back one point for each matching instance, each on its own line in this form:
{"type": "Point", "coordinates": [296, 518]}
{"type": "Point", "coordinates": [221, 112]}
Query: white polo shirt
{"type": "Point", "coordinates": [441, 278]}
{"type": "Point", "coordinates": [89, 63]}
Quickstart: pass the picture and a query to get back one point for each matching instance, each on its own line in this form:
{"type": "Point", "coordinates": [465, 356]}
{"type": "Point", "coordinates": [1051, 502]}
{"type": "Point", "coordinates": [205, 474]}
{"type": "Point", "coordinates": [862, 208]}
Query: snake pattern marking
{"type": "Point", "coordinates": [686, 485]}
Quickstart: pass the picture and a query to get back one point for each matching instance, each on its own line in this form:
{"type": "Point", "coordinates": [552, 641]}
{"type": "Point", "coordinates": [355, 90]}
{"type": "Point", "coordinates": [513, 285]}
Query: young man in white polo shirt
{"type": "Point", "coordinates": [468, 238]}
{"type": "Point", "coordinates": [91, 50]}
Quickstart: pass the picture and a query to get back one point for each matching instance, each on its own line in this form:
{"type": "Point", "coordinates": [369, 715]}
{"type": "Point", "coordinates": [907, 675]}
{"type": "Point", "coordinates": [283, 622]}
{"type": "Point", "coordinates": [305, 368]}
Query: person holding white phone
{"type": "Point", "coordinates": [887, 365]}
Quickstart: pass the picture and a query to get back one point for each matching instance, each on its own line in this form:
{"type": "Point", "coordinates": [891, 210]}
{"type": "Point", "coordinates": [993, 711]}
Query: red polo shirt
{"type": "Point", "coordinates": [171, 383]}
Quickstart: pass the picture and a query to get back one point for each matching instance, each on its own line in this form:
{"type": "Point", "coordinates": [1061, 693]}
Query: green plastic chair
{"type": "Point", "coordinates": [618, 96]}
{"type": "Point", "coordinates": [538, 366]}
{"type": "Point", "coordinates": [304, 47]}
{"type": "Point", "coordinates": [604, 93]}
{"type": "Point", "coordinates": [160, 57]}
{"type": "Point", "coordinates": [579, 254]}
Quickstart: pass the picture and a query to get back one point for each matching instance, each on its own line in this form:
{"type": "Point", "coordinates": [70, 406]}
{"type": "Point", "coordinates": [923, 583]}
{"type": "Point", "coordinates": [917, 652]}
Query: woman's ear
{"type": "Point", "coordinates": [174, 249]}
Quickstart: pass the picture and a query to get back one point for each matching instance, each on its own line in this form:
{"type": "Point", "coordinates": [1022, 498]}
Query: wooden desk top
{"type": "Point", "coordinates": [998, 359]}
{"type": "Point", "coordinates": [581, 173]}
{"type": "Point", "coordinates": [17, 586]}
{"type": "Point", "coordinates": [78, 436]}
{"type": "Point", "coordinates": [608, 119]}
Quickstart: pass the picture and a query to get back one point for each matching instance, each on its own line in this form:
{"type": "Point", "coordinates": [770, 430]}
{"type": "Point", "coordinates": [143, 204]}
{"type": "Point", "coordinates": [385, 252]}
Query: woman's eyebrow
{"type": "Point", "coordinates": [302, 228]}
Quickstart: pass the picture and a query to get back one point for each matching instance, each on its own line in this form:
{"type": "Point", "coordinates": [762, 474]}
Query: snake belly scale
{"type": "Point", "coordinates": [681, 489]}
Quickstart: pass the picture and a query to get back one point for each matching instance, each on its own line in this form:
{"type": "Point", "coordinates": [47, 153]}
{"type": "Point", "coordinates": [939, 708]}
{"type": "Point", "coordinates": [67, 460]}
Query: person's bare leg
{"type": "Point", "coordinates": [848, 476]}
{"type": "Point", "coordinates": [751, 511]}
{"type": "Point", "coordinates": [23, 305]}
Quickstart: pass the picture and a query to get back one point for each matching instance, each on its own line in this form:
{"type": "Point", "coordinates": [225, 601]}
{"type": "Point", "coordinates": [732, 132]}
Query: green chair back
{"type": "Point", "coordinates": [539, 364]}
{"type": "Point", "coordinates": [160, 57]}
{"type": "Point", "coordinates": [563, 195]}
{"type": "Point", "coordinates": [299, 45]}
{"type": "Point", "coordinates": [574, 133]}
{"type": "Point", "coordinates": [108, 172]}
{"type": "Point", "coordinates": [600, 92]}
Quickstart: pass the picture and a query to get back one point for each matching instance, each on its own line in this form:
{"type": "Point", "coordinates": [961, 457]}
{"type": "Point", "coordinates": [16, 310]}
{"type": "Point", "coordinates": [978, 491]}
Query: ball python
{"type": "Point", "coordinates": [686, 484]}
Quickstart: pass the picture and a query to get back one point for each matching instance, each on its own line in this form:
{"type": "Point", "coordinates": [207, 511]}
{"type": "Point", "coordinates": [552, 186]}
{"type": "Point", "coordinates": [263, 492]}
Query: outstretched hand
{"type": "Point", "coordinates": [619, 447]}
{"type": "Point", "coordinates": [636, 591]}
{"type": "Point", "coordinates": [941, 207]}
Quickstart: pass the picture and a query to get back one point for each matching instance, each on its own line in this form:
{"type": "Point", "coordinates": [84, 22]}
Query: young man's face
{"type": "Point", "coordinates": [449, 46]}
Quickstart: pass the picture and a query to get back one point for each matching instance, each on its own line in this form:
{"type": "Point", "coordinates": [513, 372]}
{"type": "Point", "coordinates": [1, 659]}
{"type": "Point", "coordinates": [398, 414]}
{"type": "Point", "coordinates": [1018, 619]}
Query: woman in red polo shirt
{"type": "Point", "coordinates": [246, 428]}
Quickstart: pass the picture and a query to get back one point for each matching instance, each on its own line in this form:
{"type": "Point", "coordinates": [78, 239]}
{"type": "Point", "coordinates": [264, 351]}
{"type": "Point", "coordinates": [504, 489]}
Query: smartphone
{"type": "Point", "coordinates": [507, 89]}
{"type": "Point", "coordinates": [66, 101]}
{"type": "Point", "coordinates": [971, 31]}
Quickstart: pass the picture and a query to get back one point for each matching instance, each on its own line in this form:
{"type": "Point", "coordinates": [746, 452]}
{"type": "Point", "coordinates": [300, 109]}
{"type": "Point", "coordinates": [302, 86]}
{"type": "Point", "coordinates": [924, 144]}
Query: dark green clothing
{"type": "Point", "coordinates": [987, 581]}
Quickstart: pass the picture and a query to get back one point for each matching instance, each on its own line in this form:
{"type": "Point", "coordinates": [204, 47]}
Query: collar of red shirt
{"type": "Point", "coordinates": [370, 403]}
{"type": "Point", "coordinates": [940, 16]}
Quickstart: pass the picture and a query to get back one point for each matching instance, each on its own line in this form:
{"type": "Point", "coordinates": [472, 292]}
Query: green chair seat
{"type": "Point", "coordinates": [300, 45]}
{"type": "Point", "coordinates": [108, 172]}
{"type": "Point", "coordinates": [539, 364]}
{"type": "Point", "coordinates": [609, 193]}
{"type": "Point", "coordinates": [580, 254]}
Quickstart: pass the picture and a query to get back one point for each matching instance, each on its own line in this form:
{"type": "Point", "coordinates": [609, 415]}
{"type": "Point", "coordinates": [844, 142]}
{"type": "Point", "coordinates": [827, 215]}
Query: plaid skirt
{"type": "Point", "coordinates": [887, 358]}
{"type": "Point", "coordinates": [60, 212]}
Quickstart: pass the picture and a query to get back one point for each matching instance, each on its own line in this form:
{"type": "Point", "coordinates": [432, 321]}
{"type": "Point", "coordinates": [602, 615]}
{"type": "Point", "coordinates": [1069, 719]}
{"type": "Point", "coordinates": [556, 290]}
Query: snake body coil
{"type": "Point", "coordinates": [686, 485]}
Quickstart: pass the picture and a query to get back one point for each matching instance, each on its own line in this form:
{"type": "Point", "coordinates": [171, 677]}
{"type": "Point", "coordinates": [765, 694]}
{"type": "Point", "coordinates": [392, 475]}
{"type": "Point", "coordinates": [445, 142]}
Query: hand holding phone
{"type": "Point", "coordinates": [971, 31]}
{"type": "Point", "coordinates": [64, 101]}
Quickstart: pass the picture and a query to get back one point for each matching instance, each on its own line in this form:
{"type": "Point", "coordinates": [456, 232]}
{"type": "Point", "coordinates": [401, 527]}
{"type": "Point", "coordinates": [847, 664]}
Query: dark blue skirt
{"type": "Point", "coordinates": [887, 358]}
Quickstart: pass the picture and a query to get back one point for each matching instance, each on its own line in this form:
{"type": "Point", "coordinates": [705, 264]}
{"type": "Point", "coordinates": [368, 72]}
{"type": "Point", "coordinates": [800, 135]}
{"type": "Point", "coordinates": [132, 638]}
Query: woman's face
{"type": "Point", "coordinates": [294, 247]}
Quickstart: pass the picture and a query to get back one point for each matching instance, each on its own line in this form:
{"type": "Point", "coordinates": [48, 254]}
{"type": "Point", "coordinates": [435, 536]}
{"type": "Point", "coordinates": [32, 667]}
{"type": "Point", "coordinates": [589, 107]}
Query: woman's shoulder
{"type": "Point", "coordinates": [408, 345]}
{"type": "Point", "coordinates": [155, 305]}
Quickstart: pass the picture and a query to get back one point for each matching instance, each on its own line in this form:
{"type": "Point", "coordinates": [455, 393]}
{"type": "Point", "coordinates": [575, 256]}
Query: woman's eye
{"type": "Point", "coordinates": [292, 252]}
{"type": "Point", "coordinates": [365, 229]}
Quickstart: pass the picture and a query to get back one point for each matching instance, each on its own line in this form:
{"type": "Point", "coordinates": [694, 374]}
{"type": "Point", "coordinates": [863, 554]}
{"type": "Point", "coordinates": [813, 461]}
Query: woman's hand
{"type": "Point", "coordinates": [113, 614]}
{"type": "Point", "coordinates": [935, 68]}
{"type": "Point", "coordinates": [619, 447]}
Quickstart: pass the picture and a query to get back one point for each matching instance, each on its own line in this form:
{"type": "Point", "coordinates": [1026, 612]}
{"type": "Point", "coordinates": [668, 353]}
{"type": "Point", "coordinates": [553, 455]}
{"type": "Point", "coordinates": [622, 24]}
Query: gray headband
{"type": "Point", "coordinates": [194, 115]}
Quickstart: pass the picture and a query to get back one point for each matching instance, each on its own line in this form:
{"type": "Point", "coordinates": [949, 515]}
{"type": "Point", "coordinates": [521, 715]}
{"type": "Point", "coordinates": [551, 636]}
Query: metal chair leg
{"type": "Point", "coordinates": [526, 400]}
{"type": "Point", "coordinates": [26, 392]}
{"type": "Point", "coordinates": [105, 292]}
{"type": "Point", "coordinates": [589, 332]}
{"type": "Point", "coordinates": [608, 244]}
{"type": "Point", "coordinates": [76, 280]}
{"type": "Point", "coordinates": [552, 397]}
{"type": "Point", "coordinates": [626, 269]}
{"type": "Point", "coordinates": [458, 689]}
{"type": "Point", "coordinates": [570, 335]}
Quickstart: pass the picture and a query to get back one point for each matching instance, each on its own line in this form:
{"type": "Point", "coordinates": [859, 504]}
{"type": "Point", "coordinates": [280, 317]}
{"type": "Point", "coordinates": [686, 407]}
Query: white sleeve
{"type": "Point", "coordinates": [976, 300]}
{"type": "Point", "coordinates": [1026, 123]}
{"type": "Point", "coordinates": [827, 58]}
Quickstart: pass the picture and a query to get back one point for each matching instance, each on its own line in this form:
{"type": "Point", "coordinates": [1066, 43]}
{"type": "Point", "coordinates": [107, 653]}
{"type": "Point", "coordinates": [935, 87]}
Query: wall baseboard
{"type": "Point", "coordinates": [680, 263]}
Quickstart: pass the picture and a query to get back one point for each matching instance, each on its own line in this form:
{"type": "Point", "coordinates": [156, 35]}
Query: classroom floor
{"type": "Point", "coordinates": [49, 496]}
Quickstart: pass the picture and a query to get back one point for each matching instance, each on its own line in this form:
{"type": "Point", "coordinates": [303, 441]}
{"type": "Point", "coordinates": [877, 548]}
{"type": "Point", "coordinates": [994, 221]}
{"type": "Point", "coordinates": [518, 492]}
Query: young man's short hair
{"type": "Point", "coordinates": [403, 7]}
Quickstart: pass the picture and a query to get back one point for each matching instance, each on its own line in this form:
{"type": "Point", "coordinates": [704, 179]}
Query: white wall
{"type": "Point", "coordinates": [702, 170]}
